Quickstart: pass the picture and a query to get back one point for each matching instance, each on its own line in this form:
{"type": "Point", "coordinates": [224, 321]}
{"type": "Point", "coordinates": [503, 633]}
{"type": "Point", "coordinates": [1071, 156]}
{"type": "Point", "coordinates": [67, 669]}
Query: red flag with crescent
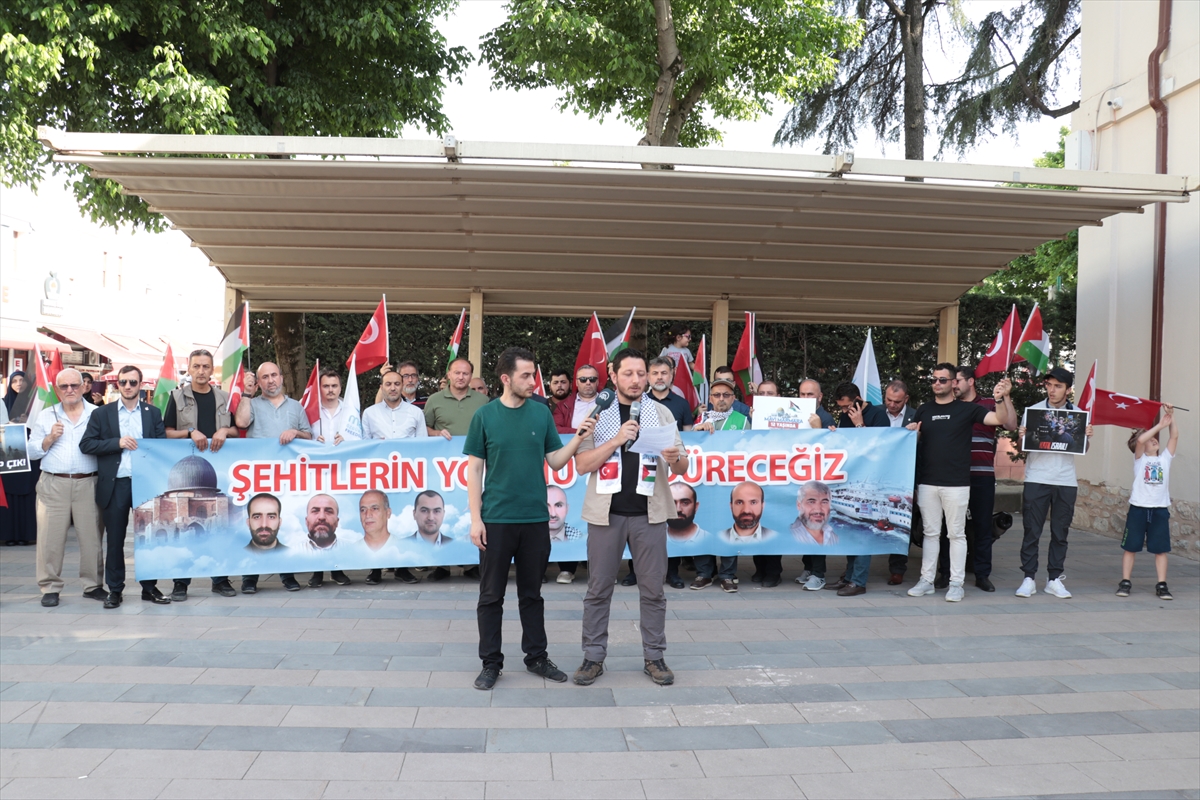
{"type": "Point", "coordinates": [1125, 410]}
{"type": "Point", "coordinates": [998, 357]}
{"type": "Point", "coordinates": [593, 351]}
{"type": "Point", "coordinates": [372, 348]}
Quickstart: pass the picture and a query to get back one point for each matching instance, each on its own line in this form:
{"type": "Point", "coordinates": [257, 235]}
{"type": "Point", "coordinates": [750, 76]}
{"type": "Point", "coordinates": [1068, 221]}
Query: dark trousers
{"type": "Point", "coordinates": [116, 521]}
{"type": "Point", "coordinates": [769, 566]}
{"type": "Point", "coordinates": [568, 566]}
{"type": "Point", "coordinates": [706, 566]}
{"type": "Point", "coordinates": [527, 544]}
{"type": "Point", "coordinates": [1059, 502]}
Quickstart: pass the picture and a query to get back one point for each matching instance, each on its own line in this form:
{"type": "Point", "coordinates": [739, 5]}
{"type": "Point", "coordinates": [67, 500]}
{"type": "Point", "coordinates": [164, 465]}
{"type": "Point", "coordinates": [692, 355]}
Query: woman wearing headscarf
{"type": "Point", "coordinates": [18, 522]}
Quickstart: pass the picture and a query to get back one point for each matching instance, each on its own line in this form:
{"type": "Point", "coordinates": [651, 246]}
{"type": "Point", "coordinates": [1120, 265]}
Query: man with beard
{"type": "Point", "coordinates": [560, 531]}
{"type": "Point", "coordinates": [429, 510]}
{"type": "Point", "coordinates": [723, 414]}
{"type": "Point", "coordinates": [627, 503]}
{"type": "Point", "coordinates": [683, 527]}
{"type": "Point", "coordinates": [746, 506]}
{"type": "Point", "coordinates": [570, 413]}
{"type": "Point", "coordinates": [560, 387]}
{"type": "Point", "coordinates": [662, 377]}
{"type": "Point", "coordinates": [272, 416]}
{"type": "Point", "coordinates": [263, 518]}
{"type": "Point", "coordinates": [321, 519]}
{"type": "Point", "coordinates": [812, 528]}
{"type": "Point", "coordinates": [334, 426]}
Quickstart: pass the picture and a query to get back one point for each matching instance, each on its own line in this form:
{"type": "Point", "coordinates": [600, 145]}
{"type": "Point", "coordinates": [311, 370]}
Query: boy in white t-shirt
{"type": "Point", "coordinates": [1148, 523]}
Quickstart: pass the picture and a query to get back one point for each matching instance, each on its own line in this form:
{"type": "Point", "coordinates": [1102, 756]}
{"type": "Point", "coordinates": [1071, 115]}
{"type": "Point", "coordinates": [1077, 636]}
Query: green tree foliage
{"type": "Point", "coordinates": [731, 57]}
{"type": "Point", "coordinates": [279, 67]}
{"type": "Point", "coordinates": [1013, 73]}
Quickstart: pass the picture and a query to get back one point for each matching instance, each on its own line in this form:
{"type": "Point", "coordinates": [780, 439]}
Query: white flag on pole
{"type": "Point", "coordinates": [866, 374]}
{"type": "Point", "coordinates": [354, 416]}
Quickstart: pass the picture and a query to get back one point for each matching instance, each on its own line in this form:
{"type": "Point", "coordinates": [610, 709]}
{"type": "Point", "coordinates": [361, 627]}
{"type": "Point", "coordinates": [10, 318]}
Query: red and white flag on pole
{"type": "Point", "coordinates": [237, 387]}
{"type": "Point", "coordinates": [999, 356]}
{"type": "Point", "coordinates": [1124, 410]}
{"type": "Point", "coordinates": [372, 348]}
{"type": "Point", "coordinates": [311, 399]}
{"type": "Point", "coordinates": [1087, 395]}
{"type": "Point", "coordinates": [539, 388]}
{"type": "Point", "coordinates": [593, 350]}
{"type": "Point", "coordinates": [683, 385]}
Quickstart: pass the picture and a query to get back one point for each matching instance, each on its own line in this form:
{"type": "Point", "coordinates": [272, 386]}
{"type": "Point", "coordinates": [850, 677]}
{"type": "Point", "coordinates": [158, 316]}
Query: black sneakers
{"type": "Point", "coordinates": [1162, 591]}
{"type": "Point", "coordinates": [546, 668]}
{"type": "Point", "coordinates": [487, 678]}
{"type": "Point", "coordinates": [1124, 588]}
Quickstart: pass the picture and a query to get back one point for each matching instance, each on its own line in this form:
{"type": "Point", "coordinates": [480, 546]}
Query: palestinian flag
{"type": "Point", "coordinates": [616, 336]}
{"type": "Point", "coordinates": [700, 372]}
{"type": "Point", "coordinates": [44, 395]}
{"type": "Point", "coordinates": [1034, 344]}
{"type": "Point", "coordinates": [649, 473]}
{"type": "Point", "coordinates": [166, 382]}
{"type": "Point", "coordinates": [745, 366]}
{"type": "Point", "coordinates": [455, 340]}
{"type": "Point", "coordinates": [233, 348]}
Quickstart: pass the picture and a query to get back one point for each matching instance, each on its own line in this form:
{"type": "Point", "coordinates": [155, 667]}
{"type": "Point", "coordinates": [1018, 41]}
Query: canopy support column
{"type": "Point", "coordinates": [948, 335]}
{"type": "Point", "coordinates": [475, 346]}
{"type": "Point", "coordinates": [233, 300]}
{"type": "Point", "coordinates": [719, 355]}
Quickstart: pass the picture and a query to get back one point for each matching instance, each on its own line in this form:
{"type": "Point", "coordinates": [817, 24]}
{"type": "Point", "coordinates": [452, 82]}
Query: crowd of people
{"type": "Point", "coordinates": [83, 445]}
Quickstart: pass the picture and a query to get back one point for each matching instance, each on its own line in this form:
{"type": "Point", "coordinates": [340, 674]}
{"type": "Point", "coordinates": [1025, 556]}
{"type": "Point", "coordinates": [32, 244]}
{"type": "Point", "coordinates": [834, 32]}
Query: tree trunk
{"type": "Point", "coordinates": [912, 27]}
{"type": "Point", "coordinates": [289, 351]}
{"type": "Point", "coordinates": [670, 65]}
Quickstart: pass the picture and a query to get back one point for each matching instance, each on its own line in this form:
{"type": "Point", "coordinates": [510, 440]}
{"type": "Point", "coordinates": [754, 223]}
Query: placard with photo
{"type": "Point", "coordinates": [1055, 430]}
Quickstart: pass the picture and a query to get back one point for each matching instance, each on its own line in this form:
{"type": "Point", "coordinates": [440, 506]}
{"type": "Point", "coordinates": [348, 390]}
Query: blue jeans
{"type": "Point", "coordinates": [707, 565]}
{"type": "Point", "coordinates": [857, 568]}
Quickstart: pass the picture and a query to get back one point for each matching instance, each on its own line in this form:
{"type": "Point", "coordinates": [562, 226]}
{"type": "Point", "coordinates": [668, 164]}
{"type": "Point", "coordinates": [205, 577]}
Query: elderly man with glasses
{"type": "Point", "coordinates": [66, 492]}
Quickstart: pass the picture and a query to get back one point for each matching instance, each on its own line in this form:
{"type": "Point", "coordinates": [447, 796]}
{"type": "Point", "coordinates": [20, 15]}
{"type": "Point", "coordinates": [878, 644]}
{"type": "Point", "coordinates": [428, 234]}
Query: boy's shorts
{"type": "Point", "coordinates": [1149, 528]}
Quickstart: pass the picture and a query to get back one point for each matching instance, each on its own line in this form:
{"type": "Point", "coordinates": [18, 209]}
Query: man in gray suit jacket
{"type": "Point", "coordinates": [112, 434]}
{"type": "Point", "coordinates": [899, 414]}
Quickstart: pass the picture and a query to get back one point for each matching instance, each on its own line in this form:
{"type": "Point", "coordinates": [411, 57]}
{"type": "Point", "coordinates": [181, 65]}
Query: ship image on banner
{"type": "Point", "coordinates": [258, 507]}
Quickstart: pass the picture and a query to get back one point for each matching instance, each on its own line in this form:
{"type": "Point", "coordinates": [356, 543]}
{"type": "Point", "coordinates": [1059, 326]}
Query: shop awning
{"type": "Point", "coordinates": [145, 358]}
{"type": "Point", "coordinates": [21, 337]}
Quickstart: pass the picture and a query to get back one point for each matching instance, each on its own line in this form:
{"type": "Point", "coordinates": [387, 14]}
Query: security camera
{"type": "Point", "coordinates": [1116, 103]}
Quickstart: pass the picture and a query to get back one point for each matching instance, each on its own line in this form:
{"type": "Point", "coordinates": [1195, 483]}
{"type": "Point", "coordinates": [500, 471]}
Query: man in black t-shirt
{"type": "Point", "coordinates": [944, 475]}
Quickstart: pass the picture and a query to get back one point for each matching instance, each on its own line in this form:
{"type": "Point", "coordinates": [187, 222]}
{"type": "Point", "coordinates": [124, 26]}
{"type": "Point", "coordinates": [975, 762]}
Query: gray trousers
{"type": "Point", "coordinates": [62, 502]}
{"type": "Point", "coordinates": [605, 545]}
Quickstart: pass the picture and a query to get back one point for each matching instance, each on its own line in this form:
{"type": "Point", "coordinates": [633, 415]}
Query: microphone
{"type": "Point", "coordinates": [603, 400]}
{"type": "Point", "coordinates": [635, 411]}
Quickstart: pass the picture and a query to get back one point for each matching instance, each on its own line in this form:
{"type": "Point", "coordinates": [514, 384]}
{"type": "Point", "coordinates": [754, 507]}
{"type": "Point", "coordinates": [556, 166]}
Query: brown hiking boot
{"type": "Point", "coordinates": [588, 672]}
{"type": "Point", "coordinates": [659, 672]}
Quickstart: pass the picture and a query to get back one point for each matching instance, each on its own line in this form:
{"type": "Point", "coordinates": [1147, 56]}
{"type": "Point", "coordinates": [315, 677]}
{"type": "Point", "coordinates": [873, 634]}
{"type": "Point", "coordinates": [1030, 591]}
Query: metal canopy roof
{"type": "Point", "coordinates": [794, 238]}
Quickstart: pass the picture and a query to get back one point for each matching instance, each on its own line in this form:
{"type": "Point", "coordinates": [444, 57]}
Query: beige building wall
{"type": "Point", "coordinates": [1116, 261]}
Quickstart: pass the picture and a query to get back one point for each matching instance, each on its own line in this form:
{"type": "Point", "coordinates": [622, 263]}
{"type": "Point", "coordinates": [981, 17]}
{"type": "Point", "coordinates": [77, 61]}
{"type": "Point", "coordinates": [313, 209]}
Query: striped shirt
{"type": "Point", "coordinates": [983, 442]}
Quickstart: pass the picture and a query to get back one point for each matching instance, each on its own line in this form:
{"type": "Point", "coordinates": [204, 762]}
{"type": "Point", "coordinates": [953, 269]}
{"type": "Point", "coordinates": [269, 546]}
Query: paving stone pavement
{"type": "Point", "coordinates": [366, 692]}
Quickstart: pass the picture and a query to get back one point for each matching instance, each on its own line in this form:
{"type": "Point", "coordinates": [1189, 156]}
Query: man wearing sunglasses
{"type": "Point", "coordinates": [945, 426]}
{"type": "Point", "coordinates": [113, 431]}
{"type": "Point", "coordinates": [66, 492]}
{"type": "Point", "coordinates": [570, 413]}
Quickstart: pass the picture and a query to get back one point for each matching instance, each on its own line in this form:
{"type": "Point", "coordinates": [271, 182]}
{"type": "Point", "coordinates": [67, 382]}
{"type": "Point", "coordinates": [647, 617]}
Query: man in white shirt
{"type": "Point", "coordinates": [570, 413]}
{"type": "Point", "coordinates": [66, 492]}
{"type": "Point", "coordinates": [895, 403]}
{"type": "Point", "coordinates": [1050, 488]}
{"type": "Point", "coordinates": [337, 423]}
{"type": "Point", "coordinates": [393, 417]}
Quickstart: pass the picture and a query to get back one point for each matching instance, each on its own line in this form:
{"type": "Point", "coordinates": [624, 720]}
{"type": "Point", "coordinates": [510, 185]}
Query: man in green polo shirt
{"type": "Point", "coordinates": [514, 438]}
{"type": "Point", "coordinates": [722, 417]}
{"type": "Point", "coordinates": [448, 413]}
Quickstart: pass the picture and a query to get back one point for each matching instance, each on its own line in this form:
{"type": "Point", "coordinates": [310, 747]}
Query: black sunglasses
{"type": "Point", "coordinates": [129, 382]}
{"type": "Point", "coordinates": [593, 379]}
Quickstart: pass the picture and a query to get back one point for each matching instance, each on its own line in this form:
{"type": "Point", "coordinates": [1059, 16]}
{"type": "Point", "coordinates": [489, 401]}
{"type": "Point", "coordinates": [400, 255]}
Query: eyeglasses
{"type": "Point", "coordinates": [127, 382]}
{"type": "Point", "coordinates": [720, 396]}
{"type": "Point", "coordinates": [70, 387]}
{"type": "Point", "coordinates": [593, 379]}
{"type": "Point", "coordinates": [941, 380]}
{"type": "Point", "coordinates": [409, 376]}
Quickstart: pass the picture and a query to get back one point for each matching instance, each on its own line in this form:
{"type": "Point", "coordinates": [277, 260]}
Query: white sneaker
{"type": "Point", "coordinates": [813, 584]}
{"type": "Point", "coordinates": [955, 593]}
{"type": "Point", "coordinates": [922, 588]}
{"type": "Point", "coordinates": [1056, 588]}
{"type": "Point", "coordinates": [565, 577]}
{"type": "Point", "coordinates": [1027, 589]}
{"type": "Point", "coordinates": [804, 576]}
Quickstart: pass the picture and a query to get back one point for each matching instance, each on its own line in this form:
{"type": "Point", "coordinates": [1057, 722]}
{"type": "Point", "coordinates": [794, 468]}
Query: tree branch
{"type": "Point", "coordinates": [895, 8]}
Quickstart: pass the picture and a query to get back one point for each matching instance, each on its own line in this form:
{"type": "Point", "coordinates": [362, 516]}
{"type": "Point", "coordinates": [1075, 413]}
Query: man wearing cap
{"type": "Point", "coordinates": [1050, 487]}
{"type": "Point", "coordinates": [723, 416]}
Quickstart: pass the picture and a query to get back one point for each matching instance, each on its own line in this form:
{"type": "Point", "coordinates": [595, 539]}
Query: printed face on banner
{"type": "Point", "coordinates": [256, 506]}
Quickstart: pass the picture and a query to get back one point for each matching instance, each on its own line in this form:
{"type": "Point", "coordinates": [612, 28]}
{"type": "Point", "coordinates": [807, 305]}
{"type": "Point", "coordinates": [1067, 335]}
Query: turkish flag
{"type": "Point", "coordinates": [999, 356]}
{"type": "Point", "coordinates": [1125, 410]}
{"type": "Point", "coordinates": [311, 399]}
{"type": "Point", "coordinates": [592, 350]}
{"type": "Point", "coordinates": [372, 348]}
{"type": "Point", "coordinates": [608, 471]}
{"type": "Point", "coordinates": [1087, 396]}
